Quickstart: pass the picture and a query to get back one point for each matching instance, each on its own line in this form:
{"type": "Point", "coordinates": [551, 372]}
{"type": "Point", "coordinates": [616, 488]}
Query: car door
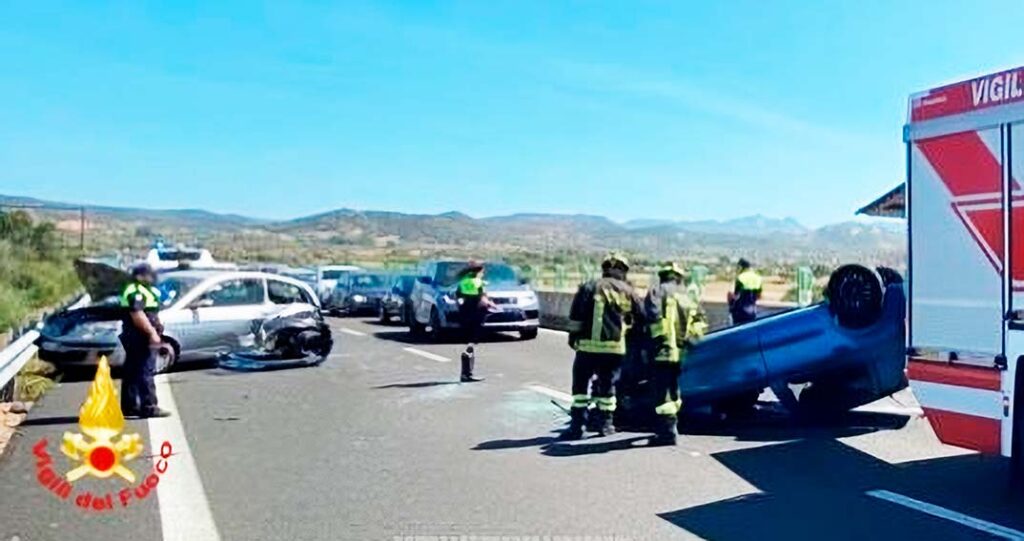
{"type": "Point", "coordinates": [423, 294]}
{"type": "Point", "coordinates": [223, 316]}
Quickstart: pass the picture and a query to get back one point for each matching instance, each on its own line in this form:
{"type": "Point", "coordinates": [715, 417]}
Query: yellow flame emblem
{"type": "Point", "coordinates": [101, 419]}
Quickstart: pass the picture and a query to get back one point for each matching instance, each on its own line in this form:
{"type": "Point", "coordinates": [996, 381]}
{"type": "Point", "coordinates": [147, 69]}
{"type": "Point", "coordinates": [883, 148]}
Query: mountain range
{"type": "Point", "coordinates": [761, 237]}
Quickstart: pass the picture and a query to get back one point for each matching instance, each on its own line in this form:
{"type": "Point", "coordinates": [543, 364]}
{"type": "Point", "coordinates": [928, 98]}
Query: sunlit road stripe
{"type": "Point", "coordinates": [427, 355]}
{"type": "Point", "coordinates": [353, 332]}
{"type": "Point", "coordinates": [547, 391]}
{"type": "Point", "coordinates": [184, 511]}
{"type": "Point", "coordinates": [941, 512]}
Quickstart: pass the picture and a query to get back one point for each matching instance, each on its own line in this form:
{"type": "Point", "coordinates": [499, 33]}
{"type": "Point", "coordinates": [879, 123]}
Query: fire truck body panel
{"type": "Point", "coordinates": [965, 148]}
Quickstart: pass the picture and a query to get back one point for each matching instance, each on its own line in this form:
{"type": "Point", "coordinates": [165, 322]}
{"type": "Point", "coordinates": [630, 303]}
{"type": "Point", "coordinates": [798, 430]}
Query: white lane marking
{"type": "Point", "coordinates": [427, 355]}
{"type": "Point", "coordinates": [553, 331]}
{"type": "Point", "coordinates": [941, 512]}
{"type": "Point", "coordinates": [547, 391]}
{"type": "Point", "coordinates": [184, 510]}
{"type": "Point", "coordinates": [353, 332]}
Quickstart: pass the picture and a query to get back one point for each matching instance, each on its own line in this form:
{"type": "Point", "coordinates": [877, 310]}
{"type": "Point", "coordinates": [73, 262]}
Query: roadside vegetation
{"type": "Point", "coordinates": [35, 272]}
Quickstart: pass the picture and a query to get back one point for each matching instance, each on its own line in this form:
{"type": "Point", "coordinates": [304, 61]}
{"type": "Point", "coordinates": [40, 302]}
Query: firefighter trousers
{"type": "Point", "coordinates": [587, 366]}
{"type": "Point", "coordinates": [666, 389]}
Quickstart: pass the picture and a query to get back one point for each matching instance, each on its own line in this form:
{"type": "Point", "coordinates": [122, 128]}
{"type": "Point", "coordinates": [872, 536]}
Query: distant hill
{"type": "Point", "coordinates": [356, 231]}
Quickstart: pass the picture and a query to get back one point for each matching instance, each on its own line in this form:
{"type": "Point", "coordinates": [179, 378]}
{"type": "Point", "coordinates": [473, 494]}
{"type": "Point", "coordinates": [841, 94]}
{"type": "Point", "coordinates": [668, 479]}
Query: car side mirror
{"type": "Point", "coordinates": [396, 290]}
{"type": "Point", "coordinates": [424, 280]}
{"type": "Point", "coordinates": [524, 281]}
{"type": "Point", "coordinates": [201, 303]}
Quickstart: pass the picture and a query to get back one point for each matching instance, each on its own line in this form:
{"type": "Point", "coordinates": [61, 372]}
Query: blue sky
{"type": "Point", "coordinates": [682, 110]}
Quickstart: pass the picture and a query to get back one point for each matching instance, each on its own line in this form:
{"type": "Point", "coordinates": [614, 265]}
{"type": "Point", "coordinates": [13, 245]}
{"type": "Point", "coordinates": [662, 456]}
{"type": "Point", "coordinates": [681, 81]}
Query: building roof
{"type": "Point", "coordinates": [891, 205]}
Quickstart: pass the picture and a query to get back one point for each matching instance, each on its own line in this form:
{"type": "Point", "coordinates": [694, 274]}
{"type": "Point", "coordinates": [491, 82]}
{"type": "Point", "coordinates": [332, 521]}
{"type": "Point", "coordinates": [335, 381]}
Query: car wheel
{"type": "Point", "coordinates": [1017, 447]}
{"type": "Point", "coordinates": [416, 328]}
{"type": "Point", "coordinates": [436, 331]}
{"type": "Point", "coordinates": [382, 314]}
{"type": "Point", "coordinates": [528, 334]}
{"type": "Point", "coordinates": [855, 295]}
{"type": "Point", "coordinates": [167, 357]}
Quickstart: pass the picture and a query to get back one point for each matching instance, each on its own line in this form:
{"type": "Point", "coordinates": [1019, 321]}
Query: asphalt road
{"type": "Point", "coordinates": [382, 442]}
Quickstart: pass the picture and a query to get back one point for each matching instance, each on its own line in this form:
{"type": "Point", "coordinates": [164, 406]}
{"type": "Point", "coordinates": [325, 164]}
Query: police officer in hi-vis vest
{"type": "Point", "coordinates": [141, 337]}
{"type": "Point", "coordinates": [473, 308]}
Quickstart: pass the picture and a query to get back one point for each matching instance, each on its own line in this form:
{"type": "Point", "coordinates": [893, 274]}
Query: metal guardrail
{"type": "Point", "coordinates": [23, 348]}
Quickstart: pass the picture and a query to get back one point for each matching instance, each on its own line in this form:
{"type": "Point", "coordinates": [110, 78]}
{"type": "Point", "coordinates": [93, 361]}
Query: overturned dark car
{"type": "Point", "coordinates": [842, 353]}
{"type": "Point", "coordinates": [297, 336]}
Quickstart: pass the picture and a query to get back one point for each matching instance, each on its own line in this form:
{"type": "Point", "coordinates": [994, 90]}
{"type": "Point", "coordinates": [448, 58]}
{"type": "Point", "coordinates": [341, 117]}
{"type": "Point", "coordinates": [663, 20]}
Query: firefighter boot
{"type": "Point", "coordinates": [577, 418]}
{"type": "Point", "coordinates": [468, 363]}
{"type": "Point", "coordinates": [665, 435]}
{"type": "Point", "coordinates": [604, 423]}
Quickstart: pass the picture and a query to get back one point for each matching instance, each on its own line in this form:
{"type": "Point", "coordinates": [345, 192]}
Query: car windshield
{"type": "Point", "coordinates": [405, 284]}
{"type": "Point", "coordinates": [369, 281]}
{"type": "Point", "coordinates": [334, 274]}
{"type": "Point", "coordinates": [494, 273]}
{"type": "Point", "coordinates": [173, 288]}
{"type": "Point", "coordinates": [179, 255]}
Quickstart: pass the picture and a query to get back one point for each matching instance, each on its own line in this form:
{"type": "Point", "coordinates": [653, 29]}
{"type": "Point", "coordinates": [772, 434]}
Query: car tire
{"type": "Point", "coordinates": [416, 329]}
{"type": "Point", "coordinates": [528, 334]}
{"type": "Point", "coordinates": [382, 315]}
{"type": "Point", "coordinates": [437, 333]}
{"type": "Point", "coordinates": [165, 362]}
{"type": "Point", "coordinates": [855, 295]}
{"type": "Point", "coordinates": [1017, 447]}
{"type": "Point", "coordinates": [738, 407]}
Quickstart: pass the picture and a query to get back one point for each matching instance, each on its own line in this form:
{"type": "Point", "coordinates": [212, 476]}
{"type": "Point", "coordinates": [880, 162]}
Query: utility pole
{"type": "Point", "coordinates": [81, 230]}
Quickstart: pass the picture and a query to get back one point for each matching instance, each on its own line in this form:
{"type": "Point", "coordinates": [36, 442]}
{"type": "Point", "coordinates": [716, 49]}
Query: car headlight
{"type": "Point", "coordinates": [529, 298]}
{"type": "Point", "coordinates": [358, 298]}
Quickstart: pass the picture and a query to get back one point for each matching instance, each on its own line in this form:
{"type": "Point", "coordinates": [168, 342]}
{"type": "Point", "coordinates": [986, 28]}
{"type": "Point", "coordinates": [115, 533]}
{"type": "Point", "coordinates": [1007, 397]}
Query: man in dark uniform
{"type": "Point", "coordinates": [473, 307]}
{"type": "Point", "coordinates": [602, 312]}
{"type": "Point", "coordinates": [141, 337]}
{"type": "Point", "coordinates": [747, 291]}
{"type": "Point", "coordinates": [675, 322]}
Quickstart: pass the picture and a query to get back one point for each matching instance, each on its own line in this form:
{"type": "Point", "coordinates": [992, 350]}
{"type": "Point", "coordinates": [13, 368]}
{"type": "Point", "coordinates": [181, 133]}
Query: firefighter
{"type": "Point", "coordinates": [601, 315]}
{"type": "Point", "coordinates": [746, 292]}
{"type": "Point", "coordinates": [675, 321]}
{"type": "Point", "coordinates": [141, 338]}
{"type": "Point", "coordinates": [473, 307]}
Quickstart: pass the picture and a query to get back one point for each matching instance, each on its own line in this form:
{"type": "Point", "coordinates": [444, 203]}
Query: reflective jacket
{"type": "Point", "coordinates": [602, 312]}
{"type": "Point", "coordinates": [470, 285]}
{"type": "Point", "coordinates": [676, 320]}
{"type": "Point", "coordinates": [747, 290]}
{"type": "Point", "coordinates": [136, 297]}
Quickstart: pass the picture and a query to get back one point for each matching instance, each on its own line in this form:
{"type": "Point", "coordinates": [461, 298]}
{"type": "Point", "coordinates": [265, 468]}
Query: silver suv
{"type": "Point", "coordinates": [435, 310]}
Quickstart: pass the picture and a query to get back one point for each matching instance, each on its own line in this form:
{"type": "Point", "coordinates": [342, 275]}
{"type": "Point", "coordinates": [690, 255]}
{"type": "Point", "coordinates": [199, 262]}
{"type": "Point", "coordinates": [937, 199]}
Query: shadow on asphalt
{"type": "Point", "coordinates": [416, 385]}
{"type": "Point", "coordinates": [600, 446]}
{"type": "Point", "coordinates": [770, 424]}
{"type": "Point", "coordinates": [50, 421]}
{"type": "Point", "coordinates": [404, 337]}
{"type": "Point", "coordinates": [816, 489]}
{"type": "Point", "coordinates": [498, 445]}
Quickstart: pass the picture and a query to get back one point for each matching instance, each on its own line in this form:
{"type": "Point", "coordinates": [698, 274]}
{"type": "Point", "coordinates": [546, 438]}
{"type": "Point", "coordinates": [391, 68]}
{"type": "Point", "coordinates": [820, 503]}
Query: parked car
{"type": "Point", "coordinates": [396, 301]}
{"type": "Point", "coordinates": [359, 293]}
{"type": "Point", "coordinates": [327, 278]}
{"type": "Point", "coordinates": [205, 313]}
{"type": "Point", "coordinates": [434, 306]}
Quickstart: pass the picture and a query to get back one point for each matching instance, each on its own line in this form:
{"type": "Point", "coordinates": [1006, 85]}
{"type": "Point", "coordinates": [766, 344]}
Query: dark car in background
{"type": "Point", "coordinates": [360, 293]}
{"type": "Point", "coordinates": [396, 301]}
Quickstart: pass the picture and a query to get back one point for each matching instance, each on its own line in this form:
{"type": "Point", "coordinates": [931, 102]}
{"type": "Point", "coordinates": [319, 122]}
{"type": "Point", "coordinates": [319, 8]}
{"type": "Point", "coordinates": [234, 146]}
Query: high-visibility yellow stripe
{"type": "Point", "coordinates": [750, 280]}
{"type": "Point", "coordinates": [597, 318]}
{"type": "Point", "coordinates": [605, 403]}
{"type": "Point", "coordinates": [580, 400]}
{"type": "Point", "coordinates": [591, 346]}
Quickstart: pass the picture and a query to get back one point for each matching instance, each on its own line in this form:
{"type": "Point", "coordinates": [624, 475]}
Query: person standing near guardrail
{"type": "Point", "coordinates": [675, 321]}
{"type": "Point", "coordinates": [745, 294]}
{"type": "Point", "coordinates": [601, 315]}
{"type": "Point", "coordinates": [141, 337]}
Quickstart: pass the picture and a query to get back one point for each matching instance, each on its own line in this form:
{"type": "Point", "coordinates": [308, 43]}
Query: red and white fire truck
{"type": "Point", "coordinates": [965, 212]}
